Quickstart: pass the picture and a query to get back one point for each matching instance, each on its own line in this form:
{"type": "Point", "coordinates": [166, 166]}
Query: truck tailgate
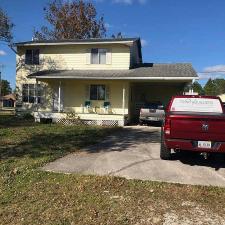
{"type": "Point", "coordinates": [193, 127]}
{"type": "Point", "coordinates": [145, 112]}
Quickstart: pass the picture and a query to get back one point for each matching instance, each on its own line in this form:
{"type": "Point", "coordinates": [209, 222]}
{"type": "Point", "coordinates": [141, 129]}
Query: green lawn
{"type": "Point", "coordinates": [31, 196]}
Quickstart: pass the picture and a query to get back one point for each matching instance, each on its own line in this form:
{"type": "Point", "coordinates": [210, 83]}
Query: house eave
{"type": "Point", "coordinates": [118, 78]}
{"type": "Point", "coordinates": [129, 43]}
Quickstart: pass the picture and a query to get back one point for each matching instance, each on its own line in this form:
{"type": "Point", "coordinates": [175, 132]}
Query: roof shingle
{"type": "Point", "coordinates": [148, 71]}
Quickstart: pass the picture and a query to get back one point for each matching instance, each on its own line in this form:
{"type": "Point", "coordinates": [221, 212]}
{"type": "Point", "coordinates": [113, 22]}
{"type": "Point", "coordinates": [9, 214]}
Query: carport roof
{"type": "Point", "coordinates": [150, 71]}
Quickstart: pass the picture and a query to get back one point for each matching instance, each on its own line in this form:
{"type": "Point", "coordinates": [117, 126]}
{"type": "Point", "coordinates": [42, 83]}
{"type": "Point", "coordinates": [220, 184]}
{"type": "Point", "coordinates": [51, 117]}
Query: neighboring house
{"type": "Point", "coordinates": [222, 97]}
{"type": "Point", "coordinates": [103, 81]}
{"type": "Point", "coordinates": [8, 101]}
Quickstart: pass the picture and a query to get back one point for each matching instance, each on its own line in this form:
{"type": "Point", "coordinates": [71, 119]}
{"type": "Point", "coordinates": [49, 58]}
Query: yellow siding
{"type": "Point", "coordinates": [68, 57]}
{"type": "Point", "coordinates": [75, 57]}
{"type": "Point", "coordinates": [74, 96]}
{"type": "Point", "coordinates": [222, 97]}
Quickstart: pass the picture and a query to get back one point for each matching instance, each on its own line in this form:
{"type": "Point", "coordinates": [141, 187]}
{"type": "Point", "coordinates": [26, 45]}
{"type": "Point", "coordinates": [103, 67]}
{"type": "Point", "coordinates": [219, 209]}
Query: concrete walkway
{"type": "Point", "coordinates": [133, 153]}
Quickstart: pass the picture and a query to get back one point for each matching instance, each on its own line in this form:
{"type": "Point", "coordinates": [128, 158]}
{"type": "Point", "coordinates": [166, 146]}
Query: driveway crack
{"type": "Point", "coordinates": [131, 165]}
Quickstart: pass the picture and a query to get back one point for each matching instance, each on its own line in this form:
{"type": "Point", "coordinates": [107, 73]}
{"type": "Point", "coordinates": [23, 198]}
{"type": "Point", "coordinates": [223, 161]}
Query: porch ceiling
{"type": "Point", "coordinates": [178, 71]}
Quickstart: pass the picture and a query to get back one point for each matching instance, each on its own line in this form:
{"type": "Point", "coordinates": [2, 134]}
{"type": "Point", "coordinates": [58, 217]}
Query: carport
{"type": "Point", "coordinates": [145, 92]}
{"type": "Point", "coordinates": [158, 82]}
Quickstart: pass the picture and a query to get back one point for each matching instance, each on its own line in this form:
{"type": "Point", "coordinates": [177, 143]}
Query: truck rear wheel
{"type": "Point", "coordinates": [165, 153]}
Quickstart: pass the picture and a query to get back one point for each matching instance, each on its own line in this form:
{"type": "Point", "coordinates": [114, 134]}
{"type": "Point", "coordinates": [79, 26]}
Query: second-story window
{"type": "Point", "coordinates": [98, 56]}
{"type": "Point", "coordinates": [32, 57]}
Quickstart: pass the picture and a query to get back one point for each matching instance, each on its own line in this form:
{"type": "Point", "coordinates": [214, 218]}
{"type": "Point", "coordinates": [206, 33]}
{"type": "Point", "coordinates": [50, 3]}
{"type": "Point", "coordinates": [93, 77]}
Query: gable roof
{"type": "Point", "coordinates": [151, 71]}
{"type": "Point", "coordinates": [79, 41]}
{"type": "Point", "coordinates": [8, 97]}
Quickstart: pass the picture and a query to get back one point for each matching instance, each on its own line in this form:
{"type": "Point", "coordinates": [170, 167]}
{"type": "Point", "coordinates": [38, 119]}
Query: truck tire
{"type": "Point", "coordinates": [223, 157]}
{"type": "Point", "coordinates": [165, 153]}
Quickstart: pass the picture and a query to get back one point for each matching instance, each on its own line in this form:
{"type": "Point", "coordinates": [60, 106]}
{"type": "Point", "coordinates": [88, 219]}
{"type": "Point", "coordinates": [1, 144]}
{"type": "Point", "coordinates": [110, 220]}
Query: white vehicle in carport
{"type": "Point", "coordinates": [152, 112]}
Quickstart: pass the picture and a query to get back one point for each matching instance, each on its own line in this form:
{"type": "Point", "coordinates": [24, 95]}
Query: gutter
{"type": "Point", "coordinates": [74, 43]}
{"type": "Point", "coordinates": [114, 78]}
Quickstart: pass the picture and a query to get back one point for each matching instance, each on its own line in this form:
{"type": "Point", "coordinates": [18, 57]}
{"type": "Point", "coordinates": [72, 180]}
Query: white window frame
{"type": "Point", "coordinates": [99, 53]}
{"type": "Point", "coordinates": [97, 99]}
{"type": "Point", "coordinates": [35, 96]}
{"type": "Point", "coordinates": [33, 62]}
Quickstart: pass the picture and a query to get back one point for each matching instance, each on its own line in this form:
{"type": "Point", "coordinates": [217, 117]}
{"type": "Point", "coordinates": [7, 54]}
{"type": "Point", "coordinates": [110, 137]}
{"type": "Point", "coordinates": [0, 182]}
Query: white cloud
{"type": "Point", "coordinates": [217, 71]}
{"type": "Point", "coordinates": [129, 2]}
{"type": "Point", "coordinates": [144, 42]}
{"type": "Point", "coordinates": [2, 52]}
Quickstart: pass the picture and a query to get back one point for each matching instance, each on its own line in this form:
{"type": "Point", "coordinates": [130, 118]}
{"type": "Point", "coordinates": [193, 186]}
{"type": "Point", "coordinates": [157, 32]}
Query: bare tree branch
{"type": "Point", "coordinates": [5, 27]}
{"type": "Point", "coordinates": [75, 19]}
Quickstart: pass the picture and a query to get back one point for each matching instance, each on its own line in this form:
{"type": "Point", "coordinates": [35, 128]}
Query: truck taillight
{"type": "Point", "coordinates": [167, 126]}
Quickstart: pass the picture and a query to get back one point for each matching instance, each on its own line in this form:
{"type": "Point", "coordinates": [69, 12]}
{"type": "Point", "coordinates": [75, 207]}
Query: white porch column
{"type": "Point", "coordinates": [59, 97]}
{"type": "Point", "coordinates": [192, 90]}
{"type": "Point", "coordinates": [124, 95]}
{"type": "Point", "coordinates": [36, 94]}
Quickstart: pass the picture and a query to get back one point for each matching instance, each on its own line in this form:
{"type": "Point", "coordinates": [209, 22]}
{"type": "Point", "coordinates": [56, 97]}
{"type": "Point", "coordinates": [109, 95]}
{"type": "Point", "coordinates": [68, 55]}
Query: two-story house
{"type": "Point", "coordinates": [103, 81]}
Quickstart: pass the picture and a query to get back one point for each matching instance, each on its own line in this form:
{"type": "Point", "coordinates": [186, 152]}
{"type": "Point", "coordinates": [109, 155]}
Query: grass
{"type": "Point", "coordinates": [31, 196]}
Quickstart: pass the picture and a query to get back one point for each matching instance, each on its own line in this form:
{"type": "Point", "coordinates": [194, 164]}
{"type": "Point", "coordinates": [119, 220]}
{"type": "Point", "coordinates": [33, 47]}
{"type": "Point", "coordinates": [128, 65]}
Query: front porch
{"type": "Point", "coordinates": [103, 97]}
{"type": "Point", "coordinates": [66, 100]}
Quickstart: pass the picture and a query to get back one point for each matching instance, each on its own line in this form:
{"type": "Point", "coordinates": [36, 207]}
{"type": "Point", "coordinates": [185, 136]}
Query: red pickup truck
{"type": "Point", "coordinates": [193, 123]}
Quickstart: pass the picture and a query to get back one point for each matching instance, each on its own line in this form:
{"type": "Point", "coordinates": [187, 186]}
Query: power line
{"type": "Point", "coordinates": [218, 71]}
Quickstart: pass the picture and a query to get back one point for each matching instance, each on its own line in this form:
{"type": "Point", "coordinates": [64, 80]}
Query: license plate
{"type": "Point", "coordinates": [204, 144]}
{"type": "Point", "coordinates": [153, 118]}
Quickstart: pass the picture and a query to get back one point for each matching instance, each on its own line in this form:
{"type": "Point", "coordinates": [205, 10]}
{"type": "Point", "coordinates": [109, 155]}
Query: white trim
{"type": "Point", "coordinates": [99, 52]}
{"type": "Point", "coordinates": [117, 78]}
{"type": "Point", "coordinates": [76, 43]}
{"type": "Point", "coordinates": [59, 98]}
{"type": "Point", "coordinates": [123, 99]}
{"type": "Point", "coordinates": [36, 96]}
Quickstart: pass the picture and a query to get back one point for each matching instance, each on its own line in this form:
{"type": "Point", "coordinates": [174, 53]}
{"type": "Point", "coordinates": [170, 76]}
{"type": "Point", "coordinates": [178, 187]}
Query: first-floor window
{"type": "Point", "coordinates": [97, 92]}
{"type": "Point", "coordinates": [31, 92]}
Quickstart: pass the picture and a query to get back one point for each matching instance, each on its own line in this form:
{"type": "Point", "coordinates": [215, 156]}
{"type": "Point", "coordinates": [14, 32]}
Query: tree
{"type": "Point", "coordinates": [215, 87]}
{"type": "Point", "coordinates": [5, 27]}
{"type": "Point", "coordinates": [75, 19]}
{"type": "Point", "coordinates": [5, 87]}
{"type": "Point", "coordinates": [198, 88]}
{"type": "Point", "coordinates": [220, 86]}
{"type": "Point", "coordinates": [210, 87]}
{"type": "Point", "coordinates": [118, 35]}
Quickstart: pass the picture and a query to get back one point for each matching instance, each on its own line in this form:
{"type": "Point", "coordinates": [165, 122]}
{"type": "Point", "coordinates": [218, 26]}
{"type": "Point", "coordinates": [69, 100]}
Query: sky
{"type": "Point", "coordinates": [172, 31]}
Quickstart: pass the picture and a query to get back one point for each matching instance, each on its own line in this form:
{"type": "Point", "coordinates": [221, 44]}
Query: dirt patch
{"type": "Point", "coordinates": [192, 214]}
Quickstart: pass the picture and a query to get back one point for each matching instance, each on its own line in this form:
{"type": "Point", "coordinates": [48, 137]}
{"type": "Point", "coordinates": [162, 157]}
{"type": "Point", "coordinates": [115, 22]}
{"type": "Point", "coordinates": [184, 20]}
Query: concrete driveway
{"type": "Point", "coordinates": [133, 153]}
